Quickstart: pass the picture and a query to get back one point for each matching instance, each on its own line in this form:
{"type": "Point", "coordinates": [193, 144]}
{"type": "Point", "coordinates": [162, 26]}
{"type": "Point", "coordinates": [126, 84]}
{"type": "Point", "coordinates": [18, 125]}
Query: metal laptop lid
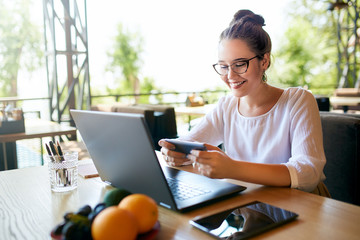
{"type": "Point", "coordinates": [123, 153]}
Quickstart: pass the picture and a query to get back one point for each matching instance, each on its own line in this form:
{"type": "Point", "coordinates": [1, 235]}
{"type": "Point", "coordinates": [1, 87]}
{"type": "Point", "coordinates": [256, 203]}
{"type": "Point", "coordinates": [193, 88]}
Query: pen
{"type": "Point", "coordinates": [52, 147]}
{"type": "Point", "coordinates": [59, 149]}
{"type": "Point", "coordinates": [48, 150]}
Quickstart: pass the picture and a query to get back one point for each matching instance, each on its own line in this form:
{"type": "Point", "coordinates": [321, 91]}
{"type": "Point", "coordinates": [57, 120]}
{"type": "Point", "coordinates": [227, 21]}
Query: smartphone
{"type": "Point", "coordinates": [186, 146]}
{"type": "Point", "coordinates": [244, 221]}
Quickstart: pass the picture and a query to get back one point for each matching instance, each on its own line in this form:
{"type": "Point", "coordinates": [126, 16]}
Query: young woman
{"type": "Point", "coordinates": [271, 136]}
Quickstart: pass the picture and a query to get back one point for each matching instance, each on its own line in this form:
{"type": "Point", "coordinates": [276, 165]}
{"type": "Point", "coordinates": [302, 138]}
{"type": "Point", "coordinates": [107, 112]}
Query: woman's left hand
{"type": "Point", "coordinates": [213, 163]}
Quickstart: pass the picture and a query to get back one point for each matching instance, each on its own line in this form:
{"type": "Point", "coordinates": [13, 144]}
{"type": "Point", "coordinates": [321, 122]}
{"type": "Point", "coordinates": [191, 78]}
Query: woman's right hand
{"type": "Point", "coordinates": [173, 158]}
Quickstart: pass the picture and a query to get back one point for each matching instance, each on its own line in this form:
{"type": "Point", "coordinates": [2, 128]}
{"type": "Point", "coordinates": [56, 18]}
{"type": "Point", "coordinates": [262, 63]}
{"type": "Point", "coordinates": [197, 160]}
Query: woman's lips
{"type": "Point", "coordinates": [236, 85]}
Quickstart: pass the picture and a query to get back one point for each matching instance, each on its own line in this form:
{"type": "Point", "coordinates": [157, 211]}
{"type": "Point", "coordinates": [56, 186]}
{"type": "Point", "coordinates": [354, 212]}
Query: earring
{"type": "Point", "coordinates": [264, 77]}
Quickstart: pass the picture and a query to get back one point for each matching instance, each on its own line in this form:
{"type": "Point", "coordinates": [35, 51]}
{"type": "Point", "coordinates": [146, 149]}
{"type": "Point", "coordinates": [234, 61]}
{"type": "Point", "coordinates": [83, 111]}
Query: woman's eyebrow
{"type": "Point", "coordinates": [239, 59]}
{"type": "Point", "coordinates": [235, 60]}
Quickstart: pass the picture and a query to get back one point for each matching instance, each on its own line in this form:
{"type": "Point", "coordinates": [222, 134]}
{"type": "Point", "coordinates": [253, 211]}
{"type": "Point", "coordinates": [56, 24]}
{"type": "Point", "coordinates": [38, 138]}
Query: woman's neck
{"type": "Point", "coordinates": [260, 101]}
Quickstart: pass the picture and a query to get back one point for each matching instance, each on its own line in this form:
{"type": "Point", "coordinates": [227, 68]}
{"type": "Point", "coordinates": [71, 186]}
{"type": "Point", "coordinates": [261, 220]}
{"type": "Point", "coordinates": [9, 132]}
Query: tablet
{"type": "Point", "coordinates": [186, 146]}
{"type": "Point", "coordinates": [244, 221]}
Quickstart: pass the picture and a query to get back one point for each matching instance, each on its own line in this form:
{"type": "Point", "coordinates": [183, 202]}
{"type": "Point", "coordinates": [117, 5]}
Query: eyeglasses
{"type": "Point", "coordinates": [238, 67]}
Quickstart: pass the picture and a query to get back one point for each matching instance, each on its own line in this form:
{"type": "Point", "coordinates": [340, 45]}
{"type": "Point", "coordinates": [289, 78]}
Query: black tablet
{"type": "Point", "coordinates": [186, 146]}
{"type": "Point", "coordinates": [244, 221]}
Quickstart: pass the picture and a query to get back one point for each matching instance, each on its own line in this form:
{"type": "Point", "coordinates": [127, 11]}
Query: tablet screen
{"type": "Point", "coordinates": [243, 221]}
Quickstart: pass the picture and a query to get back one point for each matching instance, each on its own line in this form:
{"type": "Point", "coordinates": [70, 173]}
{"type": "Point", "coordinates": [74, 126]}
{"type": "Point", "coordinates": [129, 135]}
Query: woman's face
{"type": "Point", "coordinates": [232, 51]}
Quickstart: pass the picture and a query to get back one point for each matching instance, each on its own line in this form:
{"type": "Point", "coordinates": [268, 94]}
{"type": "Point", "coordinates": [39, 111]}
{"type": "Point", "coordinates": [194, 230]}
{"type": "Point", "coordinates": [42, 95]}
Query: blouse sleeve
{"type": "Point", "coordinates": [307, 152]}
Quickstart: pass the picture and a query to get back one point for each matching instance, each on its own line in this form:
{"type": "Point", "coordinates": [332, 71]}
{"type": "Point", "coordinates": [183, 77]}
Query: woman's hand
{"type": "Point", "coordinates": [212, 163]}
{"type": "Point", "coordinates": [172, 158]}
{"type": "Point", "coordinates": [215, 163]}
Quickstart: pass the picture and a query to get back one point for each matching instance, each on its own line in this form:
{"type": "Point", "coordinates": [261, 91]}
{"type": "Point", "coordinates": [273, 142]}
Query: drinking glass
{"type": "Point", "coordinates": [63, 171]}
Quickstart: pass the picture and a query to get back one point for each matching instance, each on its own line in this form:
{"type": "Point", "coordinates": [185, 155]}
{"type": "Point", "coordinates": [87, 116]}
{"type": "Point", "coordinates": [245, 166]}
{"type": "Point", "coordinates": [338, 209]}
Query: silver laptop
{"type": "Point", "coordinates": [123, 152]}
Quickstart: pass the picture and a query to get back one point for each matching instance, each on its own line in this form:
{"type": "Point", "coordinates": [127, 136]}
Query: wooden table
{"type": "Point", "coordinates": [345, 102]}
{"type": "Point", "coordinates": [29, 210]}
{"type": "Point", "coordinates": [8, 100]}
{"type": "Point", "coordinates": [34, 128]}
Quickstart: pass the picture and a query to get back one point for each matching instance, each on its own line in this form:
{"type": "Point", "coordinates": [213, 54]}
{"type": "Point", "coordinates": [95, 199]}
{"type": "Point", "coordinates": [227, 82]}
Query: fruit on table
{"type": "Point", "coordinates": [84, 211]}
{"type": "Point", "coordinates": [87, 223]}
{"type": "Point", "coordinates": [114, 223]}
{"type": "Point", "coordinates": [77, 225]}
{"type": "Point", "coordinates": [114, 196]}
{"type": "Point", "coordinates": [97, 209]}
{"type": "Point", "coordinates": [144, 208]}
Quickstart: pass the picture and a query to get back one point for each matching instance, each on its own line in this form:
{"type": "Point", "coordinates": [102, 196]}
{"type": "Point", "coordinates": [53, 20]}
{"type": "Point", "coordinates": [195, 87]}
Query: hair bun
{"type": "Point", "coordinates": [247, 16]}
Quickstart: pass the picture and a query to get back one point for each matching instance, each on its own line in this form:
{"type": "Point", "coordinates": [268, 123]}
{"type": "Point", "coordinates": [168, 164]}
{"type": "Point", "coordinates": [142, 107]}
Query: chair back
{"type": "Point", "coordinates": [164, 121]}
{"type": "Point", "coordinates": [341, 133]}
{"type": "Point", "coordinates": [161, 119]}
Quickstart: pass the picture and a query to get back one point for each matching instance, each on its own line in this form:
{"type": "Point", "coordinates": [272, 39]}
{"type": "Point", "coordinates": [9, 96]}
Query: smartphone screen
{"type": "Point", "coordinates": [244, 221]}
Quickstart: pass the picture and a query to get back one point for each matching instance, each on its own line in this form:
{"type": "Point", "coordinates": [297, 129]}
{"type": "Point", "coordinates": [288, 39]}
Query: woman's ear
{"type": "Point", "coordinates": [266, 61]}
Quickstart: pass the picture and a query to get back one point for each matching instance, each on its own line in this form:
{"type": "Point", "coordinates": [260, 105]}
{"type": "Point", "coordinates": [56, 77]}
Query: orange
{"type": "Point", "coordinates": [114, 223]}
{"type": "Point", "coordinates": [144, 208]}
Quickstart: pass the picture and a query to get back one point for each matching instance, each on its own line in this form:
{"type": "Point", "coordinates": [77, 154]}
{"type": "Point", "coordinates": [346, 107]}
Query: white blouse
{"type": "Point", "coordinates": [290, 134]}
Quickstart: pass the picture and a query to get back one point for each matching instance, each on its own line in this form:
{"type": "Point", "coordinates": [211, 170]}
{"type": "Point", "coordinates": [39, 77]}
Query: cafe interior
{"type": "Point", "coordinates": [30, 209]}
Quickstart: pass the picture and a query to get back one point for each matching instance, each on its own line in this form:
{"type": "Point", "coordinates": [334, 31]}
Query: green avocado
{"type": "Point", "coordinates": [114, 196]}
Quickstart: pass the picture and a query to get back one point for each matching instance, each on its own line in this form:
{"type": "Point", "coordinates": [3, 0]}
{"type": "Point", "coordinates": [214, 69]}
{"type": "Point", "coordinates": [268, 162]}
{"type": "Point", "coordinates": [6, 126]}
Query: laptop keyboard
{"type": "Point", "coordinates": [183, 191]}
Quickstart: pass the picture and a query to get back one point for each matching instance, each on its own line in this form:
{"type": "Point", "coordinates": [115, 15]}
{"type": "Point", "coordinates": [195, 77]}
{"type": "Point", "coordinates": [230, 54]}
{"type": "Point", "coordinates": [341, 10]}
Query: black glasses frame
{"type": "Point", "coordinates": [246, 61]}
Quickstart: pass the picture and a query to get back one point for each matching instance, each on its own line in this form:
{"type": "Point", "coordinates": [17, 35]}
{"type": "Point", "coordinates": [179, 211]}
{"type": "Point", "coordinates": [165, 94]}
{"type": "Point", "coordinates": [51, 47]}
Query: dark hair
{"type": "Point", "coordinates": [247, 26]}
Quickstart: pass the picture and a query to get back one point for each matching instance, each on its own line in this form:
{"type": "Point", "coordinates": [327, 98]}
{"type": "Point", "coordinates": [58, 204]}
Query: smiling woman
{"type": "Point", "coordinates": [245, 122]}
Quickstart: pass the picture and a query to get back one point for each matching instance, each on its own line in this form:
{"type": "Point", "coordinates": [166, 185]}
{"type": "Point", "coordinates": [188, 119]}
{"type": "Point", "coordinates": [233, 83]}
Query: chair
{"type": "Point", "coordinates": [323, 103]}
{"type": "Point", "coordinates": [165, 121]}
{"type": "Point", "coordinates": [341, 133]}
{"type": "Point", "coordinates": [160, 118]}
{"type": "Point", "coordinates": [147, 113]}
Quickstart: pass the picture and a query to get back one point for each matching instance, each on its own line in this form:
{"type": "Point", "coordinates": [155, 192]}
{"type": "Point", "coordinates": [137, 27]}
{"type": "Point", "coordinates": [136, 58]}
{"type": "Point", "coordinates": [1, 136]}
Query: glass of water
{"type": "Point", "coordinates": [63, 171]}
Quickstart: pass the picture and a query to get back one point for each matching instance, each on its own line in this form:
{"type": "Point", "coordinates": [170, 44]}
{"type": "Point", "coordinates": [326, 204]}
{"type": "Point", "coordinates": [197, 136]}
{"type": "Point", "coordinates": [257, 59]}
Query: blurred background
{"type": "Point", "coordinates": [57, 55]}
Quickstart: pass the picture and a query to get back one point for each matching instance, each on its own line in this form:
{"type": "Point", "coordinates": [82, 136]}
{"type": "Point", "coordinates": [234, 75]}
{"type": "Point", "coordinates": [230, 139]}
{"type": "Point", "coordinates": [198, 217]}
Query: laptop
{"type": "Point", "coordinates": [123, 152]}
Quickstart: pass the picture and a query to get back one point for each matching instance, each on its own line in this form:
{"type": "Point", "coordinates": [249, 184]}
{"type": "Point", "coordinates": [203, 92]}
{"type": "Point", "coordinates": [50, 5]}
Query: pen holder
{"type": "Point", "coordinates": [63, 171]}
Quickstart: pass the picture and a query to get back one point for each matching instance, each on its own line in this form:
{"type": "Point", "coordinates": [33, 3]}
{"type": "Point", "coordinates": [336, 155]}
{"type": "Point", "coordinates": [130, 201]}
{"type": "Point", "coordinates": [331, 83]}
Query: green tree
{"type": "Point", "coordinates": [20, 44]}
{"type": "Point", "coordinates": [307, 55]}
{"type": "Point", "coordinates": [126, 60]}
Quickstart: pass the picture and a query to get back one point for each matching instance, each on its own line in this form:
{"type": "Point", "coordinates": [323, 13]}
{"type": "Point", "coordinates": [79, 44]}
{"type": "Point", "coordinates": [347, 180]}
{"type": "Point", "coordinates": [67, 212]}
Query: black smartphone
{"type": "Point", "coordinates": [186, 146]}
{"type": "Point", "coordinates": [244, 221]}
